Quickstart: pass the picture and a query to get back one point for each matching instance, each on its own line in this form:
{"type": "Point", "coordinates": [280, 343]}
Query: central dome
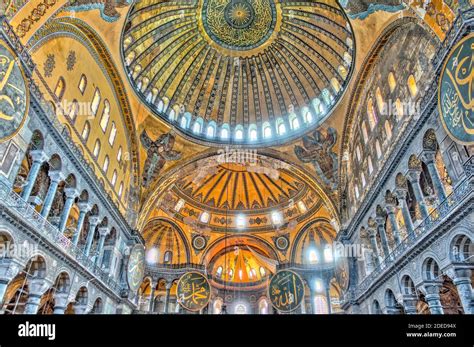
{"type": "Point", "coordinates": [247, 72]}
{"type": "Point", "coordinates": [239, 24]}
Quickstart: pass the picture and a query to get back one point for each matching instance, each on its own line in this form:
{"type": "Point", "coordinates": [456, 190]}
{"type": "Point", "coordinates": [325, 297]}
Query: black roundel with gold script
{"type": "Point", "coordinates": [193, 291]}
{"type": "Point", "coordinates": [286, 291]}
{"type": "Point", "coordinates": [14, 97]}
{"type": "Point", "coordinates": [456, 92]}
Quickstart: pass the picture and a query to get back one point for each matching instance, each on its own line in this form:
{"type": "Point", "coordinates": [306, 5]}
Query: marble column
{"type": "Point", "coordinates": [311, 299]}
{"type": "Point", "coordinates": [36, 289]}
{"type": "Point", "coordinates": [328, 297]}
{"type": "Point", "coordinates": [167, 297]}
{"type": "Point", "coordinates": [60, 302]}
{"type": "Point", "coordinates": [433, 298]}
{"type": "Point", "coordinates": [93, 221]}
{"type": "Point", "coordinates": [83, 209]}
{"type": "Point", "coordinates": [414, 178]}
{"type": "Point", "coordinates": [409, 303]}
{"type": "Point", "coordinates": [80, 308]}
{"type": "Point", "coordinates": [55, 178]}
{"type": "Point", "coordinates": [151, 303]}
{"type": "Point", "coordinates": [39, 157]}
{"type": "Point", "coordinates": [103, 232]}
{"type": "Point", "coordinates": [373, 244]}
{"type": "Point", "coordinates": [383, 235]}
{"type": "Point", "coordinates": [71, 194]}
{"type": "Point", "coordinates": [462, 281]}
{"type": "Point", "coordinates": [430, 159]}
{"type": "Point", "coordinates": [401, 195]}
{"type": "Point", "coordinates": [393, 222]}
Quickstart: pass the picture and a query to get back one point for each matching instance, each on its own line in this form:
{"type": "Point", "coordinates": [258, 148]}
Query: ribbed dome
{"type": "Point", "coordinates": [239, 71]}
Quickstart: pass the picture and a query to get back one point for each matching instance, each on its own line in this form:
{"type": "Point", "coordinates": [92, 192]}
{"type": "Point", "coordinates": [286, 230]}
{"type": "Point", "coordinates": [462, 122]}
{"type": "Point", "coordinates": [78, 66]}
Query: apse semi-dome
{"type": "Point", "coordinates": [239, 71]}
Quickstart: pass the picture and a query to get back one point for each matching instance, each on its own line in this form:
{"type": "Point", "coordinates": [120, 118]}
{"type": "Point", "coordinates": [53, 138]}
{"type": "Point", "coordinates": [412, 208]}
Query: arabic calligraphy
{"type": "Point", "coordinates": [239, 24]}
{"type": "Point", "coordinates": [13, 94]}
{"type": "Point", "coordinates": [193, 291]}
{"type": "Point", "coordinates": [456, 94]}
{"type": "Point", "coordinates": [286, 291]}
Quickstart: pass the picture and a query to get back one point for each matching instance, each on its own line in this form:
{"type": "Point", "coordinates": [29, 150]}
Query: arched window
{"type": "Point", "coordinates": [120, 190]}
{"type": "Point", "coordinates": [119, 154]}
{"type": "Point", "coordinates": [320, 304]}
{"type": "Point", "coordinates": [204, 217]}
{"type": "Point", "coordinates": [318, 106]}
{"type": "Point", "coordinates": [85, 131]}
{"type": "Point", "coordinates": [362, 177]}
{"type": "Point", "coordinates": [239, 133]}
{"type": "Point", "coordinates": [342, 71]}
{"type": "Point", "coordinates": [95, 102]}
{"type": "Point", "coordinates": [185, 120]}
{"type": "Point", "coordinates": [365, 135]}
{"type": "Point", "coordinates": [105, 167]}
{"type": "Point", "coordinates": [280, 125]}
{"type": "Point", "coordinates": [82, 84]}
{"type": "Point", "coordinates": [356, 192]}
{"type": "Point", "coordinates": [307, 115]}
{"type": "Point", "coordinates": [197, 127]}
{"type": "Point", "coordinates": [104, 121]}
{"type": "Point", "coordinates": [168, 257]}
{"type": "Point", "coordinates": [373, 120]}
{"type": "Point", "coordinates": [179, 205]}
{"type": "Point", "coordinates": [380, 102]}
{"type": "Point", "coordinates": [369, 163]}
{"type": "Point", "coordinates": [73, 110]}
{"type": "Point", "coordinates": [96, 148]}
{"type": "Point", "coordinates": [60, 88]}
{"type": "Point", "coordinates": [172, 115]}
{"type": "Point", "coordinates": [336, 86]}
{"type": "Point", "coordinates": [359, 156]}
{"type": "Point", "coordinates": [225, 132]}
{"type": "Point", "coordinates": [253, 132]}
{"type": "Point", "coordinates": [388, 129]}
{"type": "Point", "coordinates": [392, 83]}
{"type": "Point", "coordinates": [211, 130]}
{"type": "Point", "coordinates": [267, 130]}
{"type": "Point", "coordinates": [294, 121]}
{"type": "Point", "coordinates": [302, 207]}
{"type": "Point", "coordinates": [262, 271]}
{"type": "Point", "coordinates": [412, 86]}
{"type": "Point", "coordinates": [313, 256]}
{"type": "Point", "coordinates": [328, 98]}
{"type": "Point", "coordinates": [219, 272]}
{"type": "Point", "coordinates": [399, 106]}
{"type": "Point", "coordinates": [113, 134]}
{"type": "Point", "coordinates": [114, 178]}
{"type": "Point", "coordinates": [378, 149]}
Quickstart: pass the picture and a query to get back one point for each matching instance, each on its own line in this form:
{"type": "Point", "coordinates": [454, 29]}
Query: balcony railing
{"type": "Point", "coordinates": [435, 218]}
{"type": "Point", "coordinates": [25, 212]}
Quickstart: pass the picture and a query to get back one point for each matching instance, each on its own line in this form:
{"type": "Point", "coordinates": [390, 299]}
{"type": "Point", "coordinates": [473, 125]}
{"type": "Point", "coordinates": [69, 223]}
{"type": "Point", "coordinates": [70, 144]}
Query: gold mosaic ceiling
{"type": "Point", "coordinates": [239, 71]}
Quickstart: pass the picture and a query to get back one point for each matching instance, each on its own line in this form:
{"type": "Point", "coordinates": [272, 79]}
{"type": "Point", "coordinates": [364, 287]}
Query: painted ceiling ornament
{"type": "Point", "coordinates": [238, 66]}
{"type": "Point", "coordinates": [456, 92]}
{"type": "Point", "coordinates": [361, 9]}
{"type": "Point", "coordinates": [14, 94]}
{"type": "Point", "coordinates": [317, 149]}
{"type": "Point", "coordinates": [158, 153]}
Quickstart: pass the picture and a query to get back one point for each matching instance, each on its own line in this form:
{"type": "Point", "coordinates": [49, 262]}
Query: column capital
{"type": "Point", "coordinates": [94, 220]}
{"type": "Point", "coordinates": [428, 156]}
{"type": "Point", "coordinates": [104, 231]}
{"type": "Point", "coordinates": [391, 208]}
{"type": "Point", "coordinates": [84, 206]}
{"type": "Point", "coordinates": [413, 175]}
{"type": "Point", "coordinates": [71, 192]}
{"type": "Point", "coordinates": [380, 220]}
{"type": "Point", "coordinates": [401, 193]}
{"type": "Point", "coordinates": [372, 232]}
{"type": "Point", "coordinates": [432, 287]}
{"type": "Point", "coordinates": [38, 156]}
{"type": "Point", "coordinates": [56, 176]}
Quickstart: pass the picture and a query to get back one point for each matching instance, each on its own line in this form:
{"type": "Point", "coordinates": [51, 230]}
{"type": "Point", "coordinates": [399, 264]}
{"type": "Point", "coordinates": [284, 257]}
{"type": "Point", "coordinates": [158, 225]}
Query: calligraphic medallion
{"type": "Point", "coordinates": [136, 268]}
{"type": "Point", "coordinates": [14, 94]}
{"type": "Point", "coordinates": [286, 291]}
{"type": "Point", "coordinates": [193, 291]}
{"type": "Point", "coordinates": [456, 92]}
{"type": "Point", "coordinates": [239, 24]}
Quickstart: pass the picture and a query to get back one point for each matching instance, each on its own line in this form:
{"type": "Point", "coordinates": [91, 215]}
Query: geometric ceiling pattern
{"type": "Point", "coordinates": [248, 71]}
{"type": "Point", "coordinates": [234, 187]}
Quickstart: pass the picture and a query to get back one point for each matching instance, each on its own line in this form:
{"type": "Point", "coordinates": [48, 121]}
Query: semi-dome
{"type": "Point", "coordinates": [239, 71]}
